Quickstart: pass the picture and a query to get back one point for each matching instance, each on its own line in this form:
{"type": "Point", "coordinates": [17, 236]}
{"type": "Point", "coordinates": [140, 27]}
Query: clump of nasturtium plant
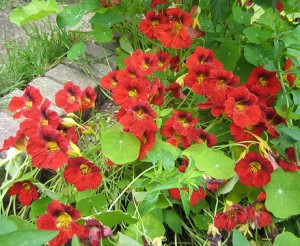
{"type": "Point", "coordinates": [203, 148]}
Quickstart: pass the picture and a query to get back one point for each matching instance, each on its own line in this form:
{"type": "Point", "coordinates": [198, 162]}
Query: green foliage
{"type": "Point", "coordinates": [238, 239]}
{"type": "Point", "coordinates": [112, 218]}
{"type": "Point", "coordinates": [213, 162]}
{"type": "Point", "coordinates": [14, 231]}
{"type": "Point", "coordinates": [220, 10]}
{"type": "Point", "coordinates": [36, 10]}
{"type": "Point", "coordinates": [286, 238]}
{"type": "Point", "coordinates": [283, 191]}
{"type": "Point", "coordinates": [120, 147]}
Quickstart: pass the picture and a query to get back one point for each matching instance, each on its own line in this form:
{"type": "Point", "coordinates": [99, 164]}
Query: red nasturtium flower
{"type": "Point", "coordinates": [156, 92]}
{"type": "Point", "coordinates": [230, 218]}
{"type": "Point", "coordinates": [138, 119]}
{"type": "Point", "coordinates": [39, 117]}
{"type": "Point", "coordinates": [31, 98]}
{"type": "Point", "coordinates": [241, 107]}
{"type": "Point", "coordinates": [109, 81]}
{"type": "Point", "coordinates": [61, 217]}
{"type": "Point", "coordinates": [19, 142]}
{"type": "Point", "coordinates": [174, 33]}
{"type": "Point", "coordinates": [148, 25]}
{"type": "Point", "coordinates": [68, 97]}
{"type": "Point", "coordinates": [196, 196]}
{"type": "Point", "coordinates": [154, 3]}
{"type": "Point", "coordinates": [129, 92]}
{"type": "Point", "coordinates": [254, 170]}
{"type": "Point", "coordinates": [88, 98]}
{"type": "Point", "coordinates": [94, 232]}
{"type": "Point", "coordinates": [264, 80]}
{"type": "Point", "coordinates": [26, 192]}
{"type": "Point", "coordinates": [163, 60]}
{"type": "Point", "coordinates": [82, 173]}
{"type": "Point", "coordinates": [48, 148]}
{"type": "Point", "coordinates": [147, 141]}
{"type": "Point", "coordinates": [290, 164]}
{"type": "Point", "coordinates": [107, 3]}
{"type": "Point", "coordinates": [241, 133]}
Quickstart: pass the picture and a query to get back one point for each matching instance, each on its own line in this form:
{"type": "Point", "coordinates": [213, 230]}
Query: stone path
{"type": "Point", "coordinates": [56, 77]}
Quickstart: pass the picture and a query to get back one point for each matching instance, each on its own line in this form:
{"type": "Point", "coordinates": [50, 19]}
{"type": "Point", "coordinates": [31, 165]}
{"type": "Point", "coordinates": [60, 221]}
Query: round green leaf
{"type": "Point", "coordinates": [256, 35]}
{"type": "Point", "coordinates": [76, 50]}
{"type": "Point", "coordinates": [36, 10]}
{"type": "Point", "coordinates": [173, 220]}
{"type": "Point", "coordinates": [258, 55]}
{"type": "Point", "coordinates": [120, 147]}
{"type": "Point", "coordinates": [102, 33]}
{"type": "Point", "coordinates": [228, 53]}
{"type": "Point", "coordinates": [112, 218]}
{"type": "Point", "coordinates": [241, 16]}
{"type": "Point", "coordinates": [70, 15]}
{"type": "Point", "coordinates": [287, 238]}
{"type": "Point", "coordinates": [283, 191]}
{"type": "Point", "coordinates": [91, 205]}
{"type": "Point", "coordinates": [213, 162]}
{"type": "Point", "coordinates": [202, 221]}
{"type": "Point", "coordinates": [27, 237]}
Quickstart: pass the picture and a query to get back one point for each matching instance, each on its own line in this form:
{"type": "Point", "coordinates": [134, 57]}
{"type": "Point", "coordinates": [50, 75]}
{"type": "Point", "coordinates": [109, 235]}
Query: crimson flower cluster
{"type": "Point", "coordinates": [256, 215]}
{"type": "Point", "coordinates": [63, 217]}
{"type": "Point", "coordinates": [173, 27]}
{"type": "Point", "coordinates": [49, 142]}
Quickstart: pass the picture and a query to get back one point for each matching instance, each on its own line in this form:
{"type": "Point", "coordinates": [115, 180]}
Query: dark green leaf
{"type": "Point", "coordinates": [76, 50]}
{"type": "Point", "coordinates": [283, 191]}
{"type": "Point", "coordinates": [108, 18]}
{"type": "Point", "coordinates": [258, 55]}
{"type": "Point", "coordinates": [39, 207]}
{"type": "Point", "coordinates": [36, 10]}
{"type": "Point", "coordinates": [125, 44]}
{"type": "Point", "coordinates": [238, 239]}
{"type": "Point", "coordinates": [126, 241]}
{"type": "Point", "coordinates": [286, 238]}
{"type": "Point", "coordinates": [185, 199]}
{"type": "Point", "coordinates": [91, 205]}
{"type": "Point", "coordinates": [120, 147]}
{"type": "Point", "coordinates": [27, 237]}
{"type": "Point", "coordinates": [240, 16]}
{"type": "Point", "coordinates": [228, 53]}
{"type": "Point", "coordinates": [149, 203]}
{"type": "Point", "coordinates": [172, 220]}
{"type": "Point", "coordinates": [6, 225]}
{"type": "Point", "coordinates": [102, 33]}
{"type": "Point", "coordinates": [21, 224]}
{"type": "Point", "coordinates": [112, 218]}
{"type": "Point", "coordinates": [70, 15]}
{"type": "Point", "coordinates": [257, 35]}
{"type": "Point", "coordinates": [202, 221]}
{"type": "Point", "coordinates": [220, 10]}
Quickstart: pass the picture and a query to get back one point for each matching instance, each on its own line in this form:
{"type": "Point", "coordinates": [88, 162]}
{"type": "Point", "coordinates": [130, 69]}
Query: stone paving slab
{"type": "Point", "coordinates": [6, 99]}
{"type": "Point", "coordinates": [97, 52]}
{"type": "Point", "coordinates": [8, 127]}
{"type": "Point", "coordinates": [44, 84]}
{"type": "Point", "coordinates": [63, 73]}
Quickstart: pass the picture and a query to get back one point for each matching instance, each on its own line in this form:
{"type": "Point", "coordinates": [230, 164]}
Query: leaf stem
{"type": "Point", "coordinates": [128, 186]}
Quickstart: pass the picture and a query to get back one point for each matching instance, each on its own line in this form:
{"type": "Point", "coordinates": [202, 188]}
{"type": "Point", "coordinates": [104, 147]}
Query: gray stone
{"type": "Point", "coordinates": [48, 89]}
{"type": "Point", "coordinates": [8, 127]}
{"type": "Point", "coordinates": [97, 52]}
{"type": "Point", "coordinates": [6, 99]}
{"type": "Point", "coordinates": [63, 73]}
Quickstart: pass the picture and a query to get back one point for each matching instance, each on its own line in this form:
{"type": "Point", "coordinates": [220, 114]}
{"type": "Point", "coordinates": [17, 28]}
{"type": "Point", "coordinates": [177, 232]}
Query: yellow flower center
{"type": "Point", "coordinates": [52, 147]}
{"type": "Point", "coordinates": [249, 128]}
{"type": "Point", "coordinates": [262, 80]}
{"type": "Point", "coordinates": [221, 83]}
{"type": "Point", "coordinates": [63, 220]}
{"type": "Point", "coordinates": [133, 93]}
{"type": "Point", "coordinates": [26, 186]}
{"type": "Point", "coordinates": [254, 167]}
{"type": "Point", "coordinates": [140, 113]}
{"type": "Point", "coordinates": [178, 27]}
{"type": "Point", "coordinates": [239, 106]}
{"type": "Point", "coordinates": [85, 169]}
{"type": "Point", "coordinates": [28, 103]}
{"type": "Point", "coordinates": [71, 99]}
{"type": "Point", "coordinates": [154, 23]}
{"type": "Point", "coordinates": [184, 122]}
{"type": "Point", "coordinates": [200, 78]}
{"type": "Point", "coordinates": [87, 100]}
{"type": "Point", "coordinates": [44, 122]}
